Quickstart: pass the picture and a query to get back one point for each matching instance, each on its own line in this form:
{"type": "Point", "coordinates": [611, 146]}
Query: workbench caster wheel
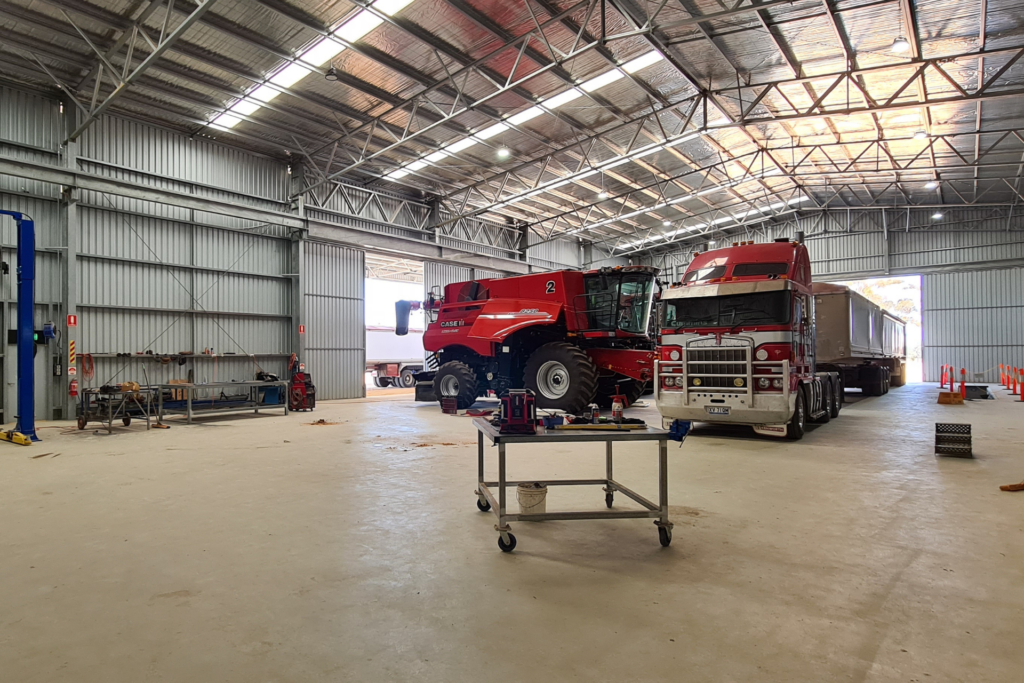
{"type": "Point", "coordinates": [511, 544]}
{"type": "Point", "coordinates": [126, 421]}
{"type": "Point", "coordinates": [609, 499]}
{"type": "Point", "coordinates": [665, 536]}
{"type": "Point", "coordinates": [483, 505]}
{"type": "Point", "coordinates": [82, 422]}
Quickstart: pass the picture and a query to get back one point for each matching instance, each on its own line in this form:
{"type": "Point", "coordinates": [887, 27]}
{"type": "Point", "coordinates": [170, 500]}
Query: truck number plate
{"type": "Point", "coordinates": [717, 410]}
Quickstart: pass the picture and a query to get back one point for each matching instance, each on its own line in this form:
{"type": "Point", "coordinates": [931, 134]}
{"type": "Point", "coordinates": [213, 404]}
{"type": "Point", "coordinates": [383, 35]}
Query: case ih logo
{"type": "Point", "coordinates": [452, 323]}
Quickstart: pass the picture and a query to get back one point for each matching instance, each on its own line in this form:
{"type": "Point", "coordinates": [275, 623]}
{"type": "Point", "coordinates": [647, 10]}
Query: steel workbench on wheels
{"type": "Point", "coordinates": [486, 500]}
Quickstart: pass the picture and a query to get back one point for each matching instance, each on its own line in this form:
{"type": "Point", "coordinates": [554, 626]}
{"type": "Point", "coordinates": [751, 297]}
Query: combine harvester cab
{"type": "Point", "coordinates": [738, 342]}
{"type": "Point", "coordinates": [570, 336]}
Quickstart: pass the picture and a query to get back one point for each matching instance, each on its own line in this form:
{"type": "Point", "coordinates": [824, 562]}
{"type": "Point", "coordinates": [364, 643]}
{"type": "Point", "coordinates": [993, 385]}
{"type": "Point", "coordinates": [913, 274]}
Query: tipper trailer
{"type": "Point", "coordinates": [859, 339]}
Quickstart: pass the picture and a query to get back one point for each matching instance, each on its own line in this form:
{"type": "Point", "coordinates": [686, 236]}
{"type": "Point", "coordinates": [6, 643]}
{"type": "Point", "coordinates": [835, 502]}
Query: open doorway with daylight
{"type": "Point", "coordinates": [901, 296]}
{"type": "Point", "coordinates": [391, 360]}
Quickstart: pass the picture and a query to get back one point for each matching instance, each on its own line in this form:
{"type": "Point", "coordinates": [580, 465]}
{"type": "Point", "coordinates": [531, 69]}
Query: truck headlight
{"type": "Point", "coordinates": [764, 383]}
{"type": "Point", "coordinates": [673, 354]}
{"type": "Point", "coordinates": [777, 382]}
{"type": "Point", "coordinates": [680, 381]}
{"type": "Point", "coordinates": [762, 354]}
{"type": "Point", "coordinates": [738, 382]}
{"type": "Point", "coordinates": [696, 381]}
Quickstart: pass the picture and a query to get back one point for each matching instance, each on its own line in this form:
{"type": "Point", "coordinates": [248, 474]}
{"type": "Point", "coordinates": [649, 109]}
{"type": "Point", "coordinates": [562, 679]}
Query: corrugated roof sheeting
{"type": "Point", "coordinates": [973, 320]}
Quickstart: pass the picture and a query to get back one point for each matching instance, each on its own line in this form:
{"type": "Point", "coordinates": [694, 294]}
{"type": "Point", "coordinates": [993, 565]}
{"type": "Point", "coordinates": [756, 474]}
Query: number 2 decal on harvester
{"type": "Point", "coordinates": [549, 288]}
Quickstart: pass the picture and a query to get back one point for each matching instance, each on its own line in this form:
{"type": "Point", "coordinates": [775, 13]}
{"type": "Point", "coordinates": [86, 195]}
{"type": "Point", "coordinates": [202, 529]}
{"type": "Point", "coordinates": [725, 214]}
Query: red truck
{"type": "Point", "coordinates": [738, 342]}
{"type": "Point", "coordinates": [570, 336]}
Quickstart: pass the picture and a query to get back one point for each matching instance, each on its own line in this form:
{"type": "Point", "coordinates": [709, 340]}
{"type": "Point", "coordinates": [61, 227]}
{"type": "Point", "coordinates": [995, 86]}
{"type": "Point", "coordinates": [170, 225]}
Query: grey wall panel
{"type": "Point", "coordinates": [557, 255]}
{"type": "Point", "coordinates": [335, 343]}
{"type": "Point", "coordinates": [134, 145]}
{"type": "Point", "coordinates": [29, 131]}
{"type": "Point", "coordinates": [973, 320]}
{"type": "Point", "coordinates": [29, 119]}
{"type": "Point", "coordinates": [920, 250]}
{"type": "Point", "coordinates": [119, 330]}
{"type": "Point", "coordinates": [437, 274]}
{"type": "Point", "coordinates": [481, 274]}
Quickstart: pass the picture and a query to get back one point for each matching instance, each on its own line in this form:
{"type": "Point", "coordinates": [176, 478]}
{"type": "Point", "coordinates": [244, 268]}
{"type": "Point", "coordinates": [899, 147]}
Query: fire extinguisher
{"type": "Point", "coordinates": [73, 388]}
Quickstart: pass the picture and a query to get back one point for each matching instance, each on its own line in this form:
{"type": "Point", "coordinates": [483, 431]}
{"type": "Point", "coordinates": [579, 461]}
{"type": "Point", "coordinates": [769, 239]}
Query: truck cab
{"type": "Point", "coordinates": [737, 342]}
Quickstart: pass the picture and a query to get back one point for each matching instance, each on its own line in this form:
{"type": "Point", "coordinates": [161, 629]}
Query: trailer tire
{"type": "Point", "coordinates": [632, 390]}
{"type": "Point", "coordinates": [406, 379]}
{"type": "Point", "coordinates": [875, 386]}
{"type": "Point", "coordinates": [561, 376]}
{"type": "Point", "coordinates": [797, 423]}
{"type": "Point", "coordinates": [381, 382]}
{"type": "Point", "coordinates": [456, 380]}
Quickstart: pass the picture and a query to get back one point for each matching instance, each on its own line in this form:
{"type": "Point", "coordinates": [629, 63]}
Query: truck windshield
{"type": "Point", "coordinates": [765, 308]}
{"type": "Point", "coordinates": [616, 302]}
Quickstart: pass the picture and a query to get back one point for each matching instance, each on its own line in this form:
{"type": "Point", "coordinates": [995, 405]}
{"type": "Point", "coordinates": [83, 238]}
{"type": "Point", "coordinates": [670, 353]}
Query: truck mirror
{"type": "Point", "coordinates": [402, 309]}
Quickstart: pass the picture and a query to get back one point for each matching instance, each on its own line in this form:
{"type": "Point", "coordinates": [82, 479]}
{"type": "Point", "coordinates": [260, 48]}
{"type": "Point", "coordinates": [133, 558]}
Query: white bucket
{"type": "Point", "coordinates": [532, 498]}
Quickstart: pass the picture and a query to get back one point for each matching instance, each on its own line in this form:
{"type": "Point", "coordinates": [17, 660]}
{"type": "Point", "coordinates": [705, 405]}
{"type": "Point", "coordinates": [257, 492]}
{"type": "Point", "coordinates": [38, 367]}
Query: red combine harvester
{"type": "Point", "coordinates": [738, 342]}
{"type": "Point", "coordinates": [569, 336]}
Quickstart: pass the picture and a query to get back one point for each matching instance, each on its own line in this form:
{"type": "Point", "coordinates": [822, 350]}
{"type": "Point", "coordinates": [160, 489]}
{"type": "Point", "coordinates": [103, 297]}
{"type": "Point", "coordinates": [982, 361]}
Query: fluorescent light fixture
{"type": "Point", "coordinates": [938, 215]}
{"type": "Point", "coordinates": [358, 26]}
{"type": "Point", "coordinates": [931, 185]}
{"type": "Point", "coordinates": [391, 7]}
{"type": "Point", "coordinates": [613, 164]}
{"type": "Point", "coordinates": [459, 145]}
{"type": "Point", "coordinates": [900, 45]}
{"type": "Point", "coordinates": [600, 81]}
{"type": "Point", "coordinates": [490, 132]}
{"type": "Point", "coordinates": [264, 93]}
{"type": "Point", "coordinates": [290, 75]}
{"type": "Point", "coordinates": [225, 121]}
{"type": "Point", "coordinates": [643, 61]}
{"type": "Point", "coordinates": [244, 107]}
{"type": "Point", "coordinates": [416, 165]}
{"type": "Point", "coordinates": [561, 98]}
{"type": "Point", "coordinates": [524, 116]}
{"type": "Point", "coordinates": [395, 175]}
{"type": "Point", "coordinates": [436, 157]}
{"type": "Point", "coordinates": [322, 52]}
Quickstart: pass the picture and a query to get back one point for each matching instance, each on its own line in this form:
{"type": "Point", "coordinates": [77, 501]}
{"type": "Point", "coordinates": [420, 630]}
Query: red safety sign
{"type": "Point", "coordinates": [302, 329]}
{"type": "Point", "coordinates": [72, 321]}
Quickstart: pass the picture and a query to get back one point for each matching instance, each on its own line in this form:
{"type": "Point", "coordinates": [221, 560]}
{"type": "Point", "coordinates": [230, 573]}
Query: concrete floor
{"type": "Point", "coordinates": [268, 549]}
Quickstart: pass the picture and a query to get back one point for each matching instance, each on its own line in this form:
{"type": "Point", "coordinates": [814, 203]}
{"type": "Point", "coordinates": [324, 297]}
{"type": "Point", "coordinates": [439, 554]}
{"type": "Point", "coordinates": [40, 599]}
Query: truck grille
{"type": "Point", "coordinates": [717, 368]}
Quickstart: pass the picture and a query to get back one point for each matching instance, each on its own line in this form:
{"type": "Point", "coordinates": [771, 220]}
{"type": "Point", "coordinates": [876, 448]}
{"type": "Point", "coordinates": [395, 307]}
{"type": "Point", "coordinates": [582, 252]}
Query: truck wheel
{"type": "Point", "coordinates": [631, 388]}
{"type": "Point", "coordinates": [795, 428]}
{"type": "Point", "coordinates": [562, 377]}
{"type": "Point", "coordinates": [381, 382]}
{"type": "Point", "coordinates": [837, 400]}
{"type": "Point", "coordinates": [456, 380]}
{"type": "Point", "coordinates": [406, 380]}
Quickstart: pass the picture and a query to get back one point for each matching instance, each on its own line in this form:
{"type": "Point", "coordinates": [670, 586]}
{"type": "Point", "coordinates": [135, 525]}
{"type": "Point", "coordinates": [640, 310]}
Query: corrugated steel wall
{"type": "Point", "coordinates": [973, 320]}
{"type": "Point", "coordinates": [30, 130]}
{"type": "Point", "coordinates": [335, 341]}
{"type": "Point", "coordinates": [556, 255]}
